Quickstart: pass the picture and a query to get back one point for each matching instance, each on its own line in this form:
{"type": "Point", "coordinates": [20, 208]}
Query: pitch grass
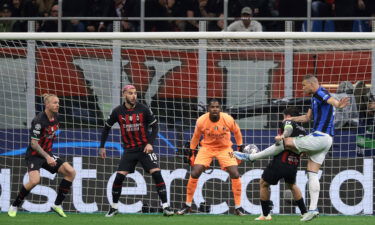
{"type": "Point", "coordinates": [158, 219]}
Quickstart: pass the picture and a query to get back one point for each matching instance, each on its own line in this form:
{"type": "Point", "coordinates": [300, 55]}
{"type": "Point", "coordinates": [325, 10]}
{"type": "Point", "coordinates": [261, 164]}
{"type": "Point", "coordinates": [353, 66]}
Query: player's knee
{"type": "Point", "coordinates": [197, 171]}
{"type": "Point", "coordinates": [234, 175]}
{"type": "Point", "coordinates": [34, 181]}
{"type": "Point", "coordinates": [263, 184]}
{"type": "Point", "coordinates": [158, 178]}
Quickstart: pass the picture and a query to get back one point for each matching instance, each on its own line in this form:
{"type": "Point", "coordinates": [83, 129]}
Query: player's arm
{"type": "Point", "coordinates": [303, 118]}
{"type": "Point", "coordinates": [151, 139]}
{"type": "Point", "coordinates": [197, 135]}
{"type": "Point", "coordinates": [288, 130]}
{"type": "Point", "coordinates": [237, 135]}
{"type": "Point", "coordinates": [342, 103]}
{"type": "Point", "coordinates": [107, 127]}
{"type": "Point", "coordinates": [152, 124]}
{"type": "Point", "coordinates": [35, 146]}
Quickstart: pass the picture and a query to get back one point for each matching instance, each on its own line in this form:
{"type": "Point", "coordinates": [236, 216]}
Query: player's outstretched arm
{"type": "Point", "coordinates": [342, 103]}
{"type": "Point", "coordinates": [304, 118]}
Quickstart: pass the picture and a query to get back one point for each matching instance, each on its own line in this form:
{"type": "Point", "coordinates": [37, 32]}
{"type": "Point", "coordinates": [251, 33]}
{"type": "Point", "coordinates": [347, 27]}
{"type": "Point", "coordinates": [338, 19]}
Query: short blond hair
{"type": "Point", "coordinates": [311, 78]}
{"type": "Point", "coordinates": [47, 96]}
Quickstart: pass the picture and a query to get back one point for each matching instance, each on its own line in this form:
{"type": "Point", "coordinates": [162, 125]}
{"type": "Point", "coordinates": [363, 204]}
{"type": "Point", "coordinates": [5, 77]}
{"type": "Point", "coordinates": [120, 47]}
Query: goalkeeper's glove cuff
{"type": "Point", "coordinates": [240, 148]}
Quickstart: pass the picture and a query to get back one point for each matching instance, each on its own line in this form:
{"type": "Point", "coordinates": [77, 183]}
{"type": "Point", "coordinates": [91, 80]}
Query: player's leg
{"type": "Point", "coordinates": [297, 195]}
{"type": "Point", "coordinates": [228, 161]}
{"type": "Point", "coordinates": [34, 179]}
{"type": "Point", "coordinates": [265, 193]}
{"type": "Point", "coordinates": [126, 165]}
{"type": "Point", "coordinates": [150, 164]}
{"type": "Point", "coordinates": [270, 151]}
{"type": "Point", "coordinates": [69, 174]}
{"type": "Point", "coordinates": [34, 163]}
{"type": "Point", "coordinates": [321, 144]}
{"type": "Point", "coordinates": [270, 176]}
{"type": "Point", "coordinates": [202, 161]}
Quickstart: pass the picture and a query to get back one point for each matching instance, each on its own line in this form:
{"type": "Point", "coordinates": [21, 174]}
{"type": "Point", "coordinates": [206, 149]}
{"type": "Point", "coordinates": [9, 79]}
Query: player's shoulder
{"type": "Point", "coordinates": [40, 118]}
{"type": "Point", "coordinates": [289, 122]}
{"type": "Point", "coordinates": [226, 116]}
{"type": "Point", "coordinates": [203, 118]}
{"type": "Point", "coordinates": [142, 106]}
{"type": "Point", "coordinates": [322, 93]}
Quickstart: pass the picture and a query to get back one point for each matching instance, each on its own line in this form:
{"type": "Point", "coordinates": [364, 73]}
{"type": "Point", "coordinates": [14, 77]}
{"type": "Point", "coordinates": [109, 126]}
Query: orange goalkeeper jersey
{"type": "Point", "coordinates": [216, 135]}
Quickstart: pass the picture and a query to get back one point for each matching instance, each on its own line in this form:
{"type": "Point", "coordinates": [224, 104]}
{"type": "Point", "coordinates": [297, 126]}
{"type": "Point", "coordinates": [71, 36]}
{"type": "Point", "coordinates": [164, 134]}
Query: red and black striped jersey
{"type": "Point", "coordinates": [44, 131]}
{"type": "Point", "coordinates": [287, 157]}
{"type": "Point", "coordinates": [134, 124]}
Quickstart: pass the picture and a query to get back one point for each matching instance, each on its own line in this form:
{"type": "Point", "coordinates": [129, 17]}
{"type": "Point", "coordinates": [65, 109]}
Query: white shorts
{"type": "Point", "coordinates": [316, 145]}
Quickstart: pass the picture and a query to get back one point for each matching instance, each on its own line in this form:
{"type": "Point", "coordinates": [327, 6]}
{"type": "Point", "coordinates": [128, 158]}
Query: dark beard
{"type": "Point", "coordinates": [128, 102]}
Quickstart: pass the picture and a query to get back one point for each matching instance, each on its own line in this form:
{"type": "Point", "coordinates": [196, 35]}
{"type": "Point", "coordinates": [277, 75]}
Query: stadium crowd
{"type": "Point", "coordinates": [182, 8]}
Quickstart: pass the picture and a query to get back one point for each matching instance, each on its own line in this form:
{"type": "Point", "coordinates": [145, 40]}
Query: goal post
{"type": "Point", "coordinates": [255, 75]}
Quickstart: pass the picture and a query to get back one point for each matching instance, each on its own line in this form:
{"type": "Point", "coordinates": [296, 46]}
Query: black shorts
{"type": "Point", "coordinates": [130, 159]}
{"type": "Point", "coordinates": [35, 162]}
{"type": "Point", "coordinates": [272, 174]}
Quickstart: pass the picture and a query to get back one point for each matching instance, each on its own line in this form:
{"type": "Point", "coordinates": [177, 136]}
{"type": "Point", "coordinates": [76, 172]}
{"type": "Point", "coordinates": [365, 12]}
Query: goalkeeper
{"type": "Point", "coordinates": [216, 128]}
{"type": "Point", "coordinates": [284, 165]}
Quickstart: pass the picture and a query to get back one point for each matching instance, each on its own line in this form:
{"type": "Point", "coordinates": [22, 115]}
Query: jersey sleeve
{"type": "Point", "coordinates": [36, 129]}
{"type": "Point", "coordinates": [323, 94]}
{"type": "Point", "coordinates": [197, 134]}
{"type": "Point", "coordinates": [236, 131]}
{"type": "Point", "coordinates": [149, 116]}
{"type": "Point", "coordinates": [112, 119]}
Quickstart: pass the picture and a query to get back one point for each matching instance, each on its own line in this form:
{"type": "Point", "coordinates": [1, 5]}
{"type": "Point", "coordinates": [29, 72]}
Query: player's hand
{"type": "Point", "coordinates": [51, 161]}
{"type": "Point", "coordinates": [148, 149]}
{"type": "Point", "coordinates": [343, 102]}
{"type": "Point", "coordinates": [279, 138]}
{"type": "Point", "coordinates": [240, 148]}
{"type": "Point", "coordinates": [102, 153]}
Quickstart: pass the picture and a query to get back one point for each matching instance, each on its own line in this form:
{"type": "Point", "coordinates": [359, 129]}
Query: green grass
{"type": "Point", "coordinates": [158, 219]}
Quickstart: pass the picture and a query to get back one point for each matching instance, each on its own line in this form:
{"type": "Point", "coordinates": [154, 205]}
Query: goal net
{"type": "Point", "coordinates": [255, 76]}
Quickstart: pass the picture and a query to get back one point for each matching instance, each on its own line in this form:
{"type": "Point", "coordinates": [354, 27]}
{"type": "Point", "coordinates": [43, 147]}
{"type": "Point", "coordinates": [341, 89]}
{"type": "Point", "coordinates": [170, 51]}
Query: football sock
{"type": "Point", "coordinates": [314, 189]}
{"type": "Point", "coordinates": [270, 151]}
{"type": "Point", "coordinates": [21, 195]}
{"type": "Point", "coordinates": [191, 186]}
{"type": "Point", "coordinates": [117, 187]}
{"type": "Point", "coordinates": [63, 190]}
{"type": "Point", "coordinates": [236, 189]}
{"type": "Point", "coordinates": [160, 186]}
{"type": "Point", "coordinates": [301, 206]}
{"type": "Point", "coordinates": [265, 207]}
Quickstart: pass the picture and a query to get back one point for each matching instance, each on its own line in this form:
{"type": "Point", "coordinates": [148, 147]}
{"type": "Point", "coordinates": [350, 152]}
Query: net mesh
{"type": "Point", "coordinates": [254, 79]}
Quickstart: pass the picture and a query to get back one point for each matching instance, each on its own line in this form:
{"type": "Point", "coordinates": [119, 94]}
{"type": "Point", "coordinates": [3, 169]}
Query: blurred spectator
{"type": "Point", "coordinates": [321, 8]}
{"type": "Point", "coordinates": [163, 8]}
{"type": "Point", "coordinates": [51, 25]}
{"type": "Point", "coordinates": [370, 7]}
{"type": "Point", "coordinates": [192, 10]}
{"type": "Point", "coordinates": [45, 6]}
{"type": "Point", "coordinates": [348, 116]}
{"type": "Point", "coordinates": [74, 8]}
{"type": "Point", "coordinates": [246, 23]}
{"type": "Point", "coordinates": [293, 8]}
{"type": "Point", "coordinates": [99, 8]}
{"type": "Point", "coordinates": [31, 8]}
{"type": "Point", "coordinates": [6, 25]}
{"type": "Point", "coordinates": [17, 8]}
{"type": "Point", "coordinates": [346, 8]}
{"type": "Point", "coordinates": [127, 8]}
{"type": "Point", "coordinates": [211, 8]}
{"type": "Point", "coordinates": [261, 8]}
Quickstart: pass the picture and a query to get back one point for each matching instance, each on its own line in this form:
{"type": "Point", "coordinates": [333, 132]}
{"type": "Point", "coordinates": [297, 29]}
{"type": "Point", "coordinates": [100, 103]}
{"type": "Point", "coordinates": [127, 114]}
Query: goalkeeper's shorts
{"type": "Point", "coordinates": [225, 157]}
